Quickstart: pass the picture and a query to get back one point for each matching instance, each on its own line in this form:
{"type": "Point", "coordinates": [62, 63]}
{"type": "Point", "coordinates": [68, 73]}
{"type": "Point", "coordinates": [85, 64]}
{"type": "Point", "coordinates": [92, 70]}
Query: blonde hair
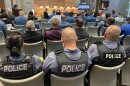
{"type": "Point", "coordinates": [21, 13]}
{"type": "Point", "coordinates": [55, 22]}
{"type": "Point", "coordinates": [30, 25]}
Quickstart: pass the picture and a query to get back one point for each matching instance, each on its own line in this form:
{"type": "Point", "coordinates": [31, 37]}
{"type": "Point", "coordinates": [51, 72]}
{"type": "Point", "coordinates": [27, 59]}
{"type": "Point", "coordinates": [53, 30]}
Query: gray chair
{"type": "Point", "coordinates": [118, 23]}
{"type": "Point", "coordinates": [126, 41]}
{"type": "Point", "coordinates": [104, 76]}
{"type": "Point", "coordinates": [36, 80]}
{"type": "Point", "coordinates": [46, 25]}
{"type": "Point", "coordinates": [16, 30]}
{"type": "Point", "coordinates": [2, 37]}
{"type": "Point", "coordinates": [81, 43]}
{"type": "Point", "coordinates": [68, 81]}
{"type": "Point", "coordinates": [19, 26]}
{"type": "Point", "coordinates": [3, 50]}
{"type": "Point", "coordinates": [34, 48]}
{"type": "Point", "coordinates": [73, 25]}
{"type": "Point", "coordinates": [125, 74]}
{"type": "Point", "coordinates": [53, 45]}
{"type": "Point", "coordinates": [93, 39]}
{"type": "Point", "coordinates": [39, 30]}
{"type": "Point", "coordinates": [93, 30]}
{"type": "Point", "coordinates": [90, 24]}
{"type": "Point", "coordinates": [44, 20]}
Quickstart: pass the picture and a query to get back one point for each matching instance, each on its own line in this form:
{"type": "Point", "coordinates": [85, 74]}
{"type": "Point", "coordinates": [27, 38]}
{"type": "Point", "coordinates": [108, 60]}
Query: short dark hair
{"type": "Point", "coordinates": [79, 22]}
{"type": "Point", "coordinates": [111, 20]}
{"type": "Point", "coordinates": [108, 15]}
{"type": "Point", "coordinates": [14, 42]}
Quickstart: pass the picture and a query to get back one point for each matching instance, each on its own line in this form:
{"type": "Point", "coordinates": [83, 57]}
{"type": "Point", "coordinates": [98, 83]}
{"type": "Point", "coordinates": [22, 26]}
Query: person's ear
{"type": "Point", "coordinates": [76, 37]}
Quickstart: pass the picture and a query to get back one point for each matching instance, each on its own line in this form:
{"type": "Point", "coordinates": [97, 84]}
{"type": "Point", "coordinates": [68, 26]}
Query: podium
{"type": "Point", "coordinates": [16, 12]}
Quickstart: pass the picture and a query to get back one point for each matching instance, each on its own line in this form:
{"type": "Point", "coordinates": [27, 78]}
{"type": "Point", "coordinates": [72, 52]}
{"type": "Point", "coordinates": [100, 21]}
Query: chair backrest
{"type": "Point", "coordinates": [68, 81]}
{"type": "Point", "coordinates": [21, 30]}
{"type": "Point", "coordinates": [126, 41]}
{"type": "Point", "coordinates": [81, 43]}
{"type": "Point", "coordinates": [39, 30]}
{"type": "Point", "coordinates": [3, 50]}
{"type": "Point", "coordinates": [90, 24]}
{"type": "Point", "coordinates": [125, 74]}
{"type": "Point", "coordinates": [104, 76]}
{"type": "Point", "coordinates": [44, 20]}
{"type": "Point", "coordinates": [93, 39]}
{"type": "Point", "coordinates": [102, 30]}
{"type": "Point", "coordinates": [92, 30]}
{"type": "Point", "coordinates": [2, 37]}
{"type": "Point", "coordinates": [19, 26]}
{"type": "Point", "coordinates": [36, 80]}
{"type": "Point", "coordinates": [53, 45]}
{"type": "Point", "coordinates": [118, 23]}
{"type": "Point", "coordinates": [46, 25]}
{"type": "Point", "coordinates": [34, 48]}
{"type": "Point", "coordinates": [73, 25]}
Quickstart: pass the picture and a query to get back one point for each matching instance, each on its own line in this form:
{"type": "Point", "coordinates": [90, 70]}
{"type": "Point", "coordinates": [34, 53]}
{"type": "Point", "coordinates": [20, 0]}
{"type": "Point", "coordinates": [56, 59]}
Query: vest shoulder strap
{"type": "Point", "coordinates": [58, 51]}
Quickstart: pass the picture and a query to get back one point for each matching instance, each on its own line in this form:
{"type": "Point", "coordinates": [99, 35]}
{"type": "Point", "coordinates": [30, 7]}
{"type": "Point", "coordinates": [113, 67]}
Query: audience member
{"type": "Point", "coordinates": [3, 27]}
{"type": "Point", "coordinates": [125, 30]}
{"type": "Point", "coordinates": [18, 65]}
{"type": "Point", "coordinates": [54, 33]}
{"type": "Point", "coordinates": [53, 13]}
{"type": "Point", "coordinates": [20, 20]}
{"type": "Point", "coordinates": [80, 31]}
{"type": "Point", "coordinates": [113, 13]}
{"type": "Point", "coordinates": [31, 16]}
{"type": "Point", "coordinates": [65, 13]}
{"type": "Point", "coordinates": [108, 53]}
{"type": "Point", "coordinates": [119, 18]}
{"type": "Point", "coordinates": [45, 14]}
{"type": "Point", "coordinates": [63, 23]}
{"type": "Point", "coordinates": [10, 15]}
{"type": "Point", "coordinates": [60, 61]}
{"type": "Point", "coordinates": [31, 36]}
{"type": "Point", "coordinates": [70, 18]}
{"type": "Point", "coordinates": [81, 15]}
{"type": "Point", "coordinates": [58, 16]}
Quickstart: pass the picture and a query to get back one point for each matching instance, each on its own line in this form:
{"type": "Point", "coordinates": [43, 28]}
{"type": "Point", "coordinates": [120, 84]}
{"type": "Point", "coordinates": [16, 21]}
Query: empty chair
{"type": "Point", "coordinates": [3, 50]}
{"type": "Point", "coordinates": [2, 37]}
{"type": "Point", "coordinates": [90, 24]}
{"type": "Point", "coordinates": [93, 39]}
{"type": "Point", "coordinates": [126, 41]}
{"type": "Point", "coordinates": [125, 74]}
{"type": "Point", "coordinates": [92, 30]}
{"type": "Point", "coordinates": [81, 43]}
{"type": "Point", "coordinates": [104, 76]}
{"type": "Point", "coordinates": [34, 48]}
{"type": "Point", "coordinates": [16, 30]}
{"type": "Point", "coordinates": [68, 81]}
{"type": "Point", "coordinates": [46, 25]}
{"type": "Point", "coordinates": [36, 80]}
{"type": "Point", "coordinates": [19, 26]}
{"type": "Point", "coordinates": [53, 45]}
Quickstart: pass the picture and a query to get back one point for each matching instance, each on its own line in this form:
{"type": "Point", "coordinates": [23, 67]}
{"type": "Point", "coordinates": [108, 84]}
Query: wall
{"type": "Point", "coordinates": [8, 4]}
{"type": "Point", "coordinates": [2, 4]}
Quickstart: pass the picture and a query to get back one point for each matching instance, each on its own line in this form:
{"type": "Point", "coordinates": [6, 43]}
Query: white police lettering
{"type": "Point", "coordinates": [72, 68]}
{"type": "Point", "coordinates": [14, 68]}
{"type": "Point", "coordinates": [111, 56]}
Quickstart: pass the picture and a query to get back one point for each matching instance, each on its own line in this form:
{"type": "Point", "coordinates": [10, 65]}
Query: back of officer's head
{"type": "Point", "coordinates": [14, 42]}
{"type": "Point", "coordinates": [69, 36]}
{"type": "Point", "coordinates": [30, 25]}
{"type": "Point", "coordinates": [79, 22]}
{"type": "Point", "coordinates": [112, 33]}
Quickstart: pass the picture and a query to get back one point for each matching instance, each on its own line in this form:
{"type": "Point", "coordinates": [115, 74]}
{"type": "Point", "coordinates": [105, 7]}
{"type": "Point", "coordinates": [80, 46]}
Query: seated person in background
{"type": "Point", "coordinates": [58, 16]}
{"type": "Point", "coordinates": [71, 19]}
{"type": "Point", "coordinates": [60, 61]}
{"type": "Point", "coordinates": [63, 23]}
{"type": "Point", "coordinates": [31, 36]}
{"type": "Point", "coordinates": [53, 13]}
{"type": "Point", "coordinates": [108, 53]}
{"type": "Point", "coordinates": [125, 30]}
{"type": "Point", "coordinates": [45, 14]}
{"type": "Point", "coordinates": [81, 15]}
{"type": "Point", "coordinates": [20, 20]}
{"type": "Point", "coordinates": [109, 21]}
{"type": "Point", "coordinates": [18, 65]}
{"type": "Point", "coordinates": [54, 33]}
{"type": "Point", "coordinates": [3, 27]}
{"type": "Point", "coordinates": [31, 16]}
{"type": "Point", "coordinates": [10, 15]}
{"type": "Point", "coordinates": [119, 18]}
{"type": "Point", "coordinates": [90, 18]}
{"type": "Point", "coordinates": [80, 31]}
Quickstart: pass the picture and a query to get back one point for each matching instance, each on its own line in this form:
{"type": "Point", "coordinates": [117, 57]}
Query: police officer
{"type": "Point", "coordinates": [18, 65]}
{"type": "Point", "coordinates": [109, 52]}
{"type": "Point", "coordinates": [69, 61]}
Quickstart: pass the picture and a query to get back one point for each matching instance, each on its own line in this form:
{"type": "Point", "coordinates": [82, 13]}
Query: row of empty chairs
{"type": "Point", "coordinates": [99, 76]}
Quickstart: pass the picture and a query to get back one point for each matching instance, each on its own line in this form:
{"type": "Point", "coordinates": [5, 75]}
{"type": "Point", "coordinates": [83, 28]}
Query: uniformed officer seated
{"type": "Point", "coordinates": [69, 61]}
{"type": "Point", "coordinates": [18, 65]}
{"type": "Point", "coordinates": [108, 53]}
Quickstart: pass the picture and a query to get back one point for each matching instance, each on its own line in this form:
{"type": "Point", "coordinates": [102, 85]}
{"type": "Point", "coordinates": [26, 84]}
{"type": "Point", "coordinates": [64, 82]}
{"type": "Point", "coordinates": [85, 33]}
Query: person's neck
{"type": "Point", "coordinates": [71, 46]}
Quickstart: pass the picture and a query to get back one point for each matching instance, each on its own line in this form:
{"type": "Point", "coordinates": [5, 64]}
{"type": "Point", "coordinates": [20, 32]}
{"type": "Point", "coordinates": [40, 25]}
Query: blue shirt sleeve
{"type": "Point", "coordinates": [4, 28]}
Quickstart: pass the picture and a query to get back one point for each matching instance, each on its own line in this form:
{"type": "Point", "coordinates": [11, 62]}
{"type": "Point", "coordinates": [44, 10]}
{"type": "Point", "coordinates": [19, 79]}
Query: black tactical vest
{"type": "Point", "coordinates": [68, 67]}
{"type": "Point", "coordinates": [17, 70]}
{"type": "Point", "coordinates": [109, 57]}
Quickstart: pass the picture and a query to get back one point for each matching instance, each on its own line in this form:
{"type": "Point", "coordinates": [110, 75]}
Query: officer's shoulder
{"type": "Point", "coordinates": [4, 59]}
{"type": "Point", "coordinates": [58, 51]}
{"type": "Point", "coordinates": [98, 43]}
{"type": "Point", "coordinates": [83, 50]}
